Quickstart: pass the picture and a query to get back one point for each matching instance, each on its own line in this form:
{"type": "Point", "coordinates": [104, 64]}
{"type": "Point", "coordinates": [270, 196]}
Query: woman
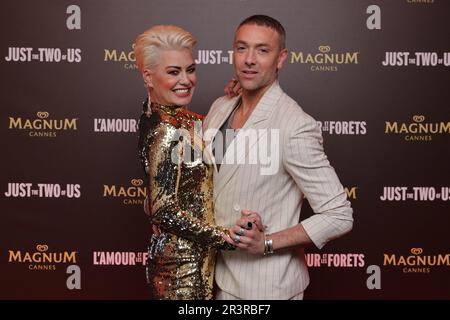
{"type": "Point", "coordinates": [182, 256]}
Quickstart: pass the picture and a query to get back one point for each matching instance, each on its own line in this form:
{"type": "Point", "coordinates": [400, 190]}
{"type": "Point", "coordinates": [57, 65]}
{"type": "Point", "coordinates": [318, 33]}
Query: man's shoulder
{"type": "Point", "coordinates": [292, 109]}
{"type": "Point", "coordinates": [218, 104]}
{"type": "Point", "coordinates": [220, 101]}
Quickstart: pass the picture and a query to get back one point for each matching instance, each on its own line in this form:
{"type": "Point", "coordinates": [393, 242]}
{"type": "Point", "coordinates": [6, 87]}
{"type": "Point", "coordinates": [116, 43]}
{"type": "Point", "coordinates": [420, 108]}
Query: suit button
{"type": "Point", "coordinates": [237, 208]}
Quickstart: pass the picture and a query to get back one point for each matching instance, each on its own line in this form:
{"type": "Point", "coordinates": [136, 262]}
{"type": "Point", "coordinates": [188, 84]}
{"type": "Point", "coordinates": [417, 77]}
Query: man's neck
{"type": "Point", "coordinates": [250, 98]}
{"type": "Point", "coordinates": [249, 101]}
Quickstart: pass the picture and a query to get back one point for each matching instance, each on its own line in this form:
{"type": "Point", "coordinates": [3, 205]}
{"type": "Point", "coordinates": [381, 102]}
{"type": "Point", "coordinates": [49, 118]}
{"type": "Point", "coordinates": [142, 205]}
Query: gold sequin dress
{"type": "Point", "coordinates": [182, 258]}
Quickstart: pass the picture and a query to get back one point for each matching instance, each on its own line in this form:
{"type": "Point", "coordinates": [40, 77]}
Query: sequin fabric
{"type": "Point", "coordinates": [182, 257]}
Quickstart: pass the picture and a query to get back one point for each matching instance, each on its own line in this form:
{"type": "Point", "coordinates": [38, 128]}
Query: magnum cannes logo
{"type": "Point", "coordinates": [42, 258]}
{"type": "Point", "coordinates": [416, 262]}
{"type": "Point", "coordinates": [418, 130]}
{"type": "Point", "coordinates": [351, 192]}
{"type": "Point", "coordinates": [133, 194]}
{"type": "Point", "coordinates": [42, 125]}
{"type": "Point", "coordinates": [122, 56]}
{"type": "Point", "coordinates": [324, 59]}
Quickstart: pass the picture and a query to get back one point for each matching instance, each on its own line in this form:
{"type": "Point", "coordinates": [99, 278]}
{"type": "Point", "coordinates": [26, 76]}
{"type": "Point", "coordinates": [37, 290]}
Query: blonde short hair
{"type": "Point", "coordinates": [160, 37]}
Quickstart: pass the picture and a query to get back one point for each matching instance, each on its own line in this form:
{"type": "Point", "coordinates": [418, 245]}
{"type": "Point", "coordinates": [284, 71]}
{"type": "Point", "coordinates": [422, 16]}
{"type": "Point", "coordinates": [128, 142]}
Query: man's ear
{"type": "Point", "coordinates": [282, 58]}
{"type": "Point", "coordinates": [148, 77]}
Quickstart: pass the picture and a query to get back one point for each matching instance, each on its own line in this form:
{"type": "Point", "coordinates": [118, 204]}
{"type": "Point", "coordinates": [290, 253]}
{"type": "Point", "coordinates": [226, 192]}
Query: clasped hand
{"type": "Point", "coordinates": [248, 233]}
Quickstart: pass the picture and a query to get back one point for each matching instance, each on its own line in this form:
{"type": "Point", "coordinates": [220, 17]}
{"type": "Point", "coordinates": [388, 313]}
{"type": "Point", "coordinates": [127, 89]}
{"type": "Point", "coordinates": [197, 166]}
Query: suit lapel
{"type": "Point", "coordinates": [223, 112]}
{"type": "Point", "coordinates": [215, 123]}
{"type": "Point", "coordinates": [257, 120]}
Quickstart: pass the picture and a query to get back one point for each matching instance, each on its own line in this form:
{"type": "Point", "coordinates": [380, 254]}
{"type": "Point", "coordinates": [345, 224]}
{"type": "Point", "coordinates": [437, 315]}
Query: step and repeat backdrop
{"type": "Point", "coordinates": [374, 74]}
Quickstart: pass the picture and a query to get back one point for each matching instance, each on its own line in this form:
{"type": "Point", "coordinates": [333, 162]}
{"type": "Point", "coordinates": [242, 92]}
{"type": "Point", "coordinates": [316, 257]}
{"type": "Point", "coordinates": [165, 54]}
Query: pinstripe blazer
{"type": "Point", "coordinates": [303, 170]}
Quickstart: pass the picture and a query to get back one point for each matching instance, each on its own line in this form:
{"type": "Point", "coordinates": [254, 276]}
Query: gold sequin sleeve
{"type": "Point", "coordinates": [181, 193]}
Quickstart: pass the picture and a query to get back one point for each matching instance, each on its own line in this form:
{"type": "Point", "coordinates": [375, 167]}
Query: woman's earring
{"type": "Point", "coordinates": [148, 111]}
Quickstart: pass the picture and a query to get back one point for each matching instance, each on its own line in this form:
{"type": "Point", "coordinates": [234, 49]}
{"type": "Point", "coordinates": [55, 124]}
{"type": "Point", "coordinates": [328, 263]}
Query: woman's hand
{"type": "Point", "coordinates": [232, 88]}
{"type": "Point", "coordinates": [254, 218]}
{"type": "Point", "coordinates": [248, 233]}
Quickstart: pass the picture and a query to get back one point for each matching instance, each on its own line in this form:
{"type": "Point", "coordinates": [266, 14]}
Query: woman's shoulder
{"type": "Point", "coordinates": [194, 116]}
{"type": "Point", "coordinates": [160, 119]}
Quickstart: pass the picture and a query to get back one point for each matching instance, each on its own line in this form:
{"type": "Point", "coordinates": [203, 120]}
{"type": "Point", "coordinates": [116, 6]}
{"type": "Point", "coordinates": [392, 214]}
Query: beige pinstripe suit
{"type": "Point", "coordinates": [303, 171]}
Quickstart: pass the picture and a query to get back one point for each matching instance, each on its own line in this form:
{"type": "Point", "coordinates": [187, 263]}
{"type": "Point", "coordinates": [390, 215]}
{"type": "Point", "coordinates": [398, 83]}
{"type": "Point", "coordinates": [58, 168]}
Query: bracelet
{"type": "Point", "coordinates": [268, 246]}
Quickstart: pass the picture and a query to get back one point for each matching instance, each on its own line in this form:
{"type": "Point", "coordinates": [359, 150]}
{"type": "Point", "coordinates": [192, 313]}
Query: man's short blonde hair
{"type": "Point", "coordinates": [160, 37]}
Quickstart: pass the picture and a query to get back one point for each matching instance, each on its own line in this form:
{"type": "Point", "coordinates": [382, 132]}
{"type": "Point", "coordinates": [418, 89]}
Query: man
{"type": "Point", "coordinates": [271, 265]}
